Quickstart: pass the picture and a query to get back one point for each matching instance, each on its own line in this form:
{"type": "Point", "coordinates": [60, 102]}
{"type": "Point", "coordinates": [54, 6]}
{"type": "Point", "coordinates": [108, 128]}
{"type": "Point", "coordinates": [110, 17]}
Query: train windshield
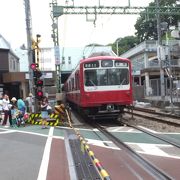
{"type": "Point", "coordinates": [106, 77]}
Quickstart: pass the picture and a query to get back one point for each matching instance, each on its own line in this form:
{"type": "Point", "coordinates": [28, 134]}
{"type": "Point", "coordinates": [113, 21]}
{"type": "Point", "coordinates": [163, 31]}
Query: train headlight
{"type": "Point", "coordinates": [110, 107]}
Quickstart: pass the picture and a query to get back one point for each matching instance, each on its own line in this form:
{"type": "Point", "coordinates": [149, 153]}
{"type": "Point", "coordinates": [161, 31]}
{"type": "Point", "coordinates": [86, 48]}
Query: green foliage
{"type": "Point", "coordinates": [124, 44]}
{"type": "Point", "coordinates": [146, 27]}
{"type": "Point", "coordinates": [146, 24]}
{"type": "Point", "coordinates": [93, 44]}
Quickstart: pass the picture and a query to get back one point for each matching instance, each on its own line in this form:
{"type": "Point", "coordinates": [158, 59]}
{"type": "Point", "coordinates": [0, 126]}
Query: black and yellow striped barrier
{"type": "Point", "coordinates": [85, 147]}
{"type": "Point", "coordinates": [35, 118]}
{"type": "Point", "coordinates": [60, 110]}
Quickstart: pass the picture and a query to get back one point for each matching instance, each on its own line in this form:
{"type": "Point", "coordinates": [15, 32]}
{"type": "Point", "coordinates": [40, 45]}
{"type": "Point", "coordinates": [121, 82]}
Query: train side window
{"type": "Point", "coordinates": [77, 81]}
{"type": "Point", "coordinates": [69, 86]}
{"type": "Point", "coordinates": [72, 83]}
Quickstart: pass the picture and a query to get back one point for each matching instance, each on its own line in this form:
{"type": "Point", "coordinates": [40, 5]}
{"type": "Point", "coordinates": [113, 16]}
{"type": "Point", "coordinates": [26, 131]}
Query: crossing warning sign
{"type": "Point", "coordinates": [35, 118]}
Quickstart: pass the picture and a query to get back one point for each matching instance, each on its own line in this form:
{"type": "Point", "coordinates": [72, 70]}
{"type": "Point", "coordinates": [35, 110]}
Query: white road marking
{"type": "Point", "coordinates": [101, 144]}
{"type": "Point", "coordinates": [45, 160]}
{"type": "Point", "coordinates": [115, 129]}
{"type": "Point", "coordinates": [130, 130]}
{"type": "Point", "coordinates": [150, 130]}
{"type": "Point", "coordinates": [7, 131]}
{"type": "Point", "coordinates": [27, 132]}
{"type": "Point", "coordinates": [152, 149]}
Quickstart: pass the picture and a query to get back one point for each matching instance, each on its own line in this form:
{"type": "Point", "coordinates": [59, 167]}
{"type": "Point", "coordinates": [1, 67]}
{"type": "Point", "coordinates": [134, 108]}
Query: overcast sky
{"type": "Point", "coordinates": [74, 31]}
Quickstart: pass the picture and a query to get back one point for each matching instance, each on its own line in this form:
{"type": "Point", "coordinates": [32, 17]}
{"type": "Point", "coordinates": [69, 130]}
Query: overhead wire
{"type": "Point", "coordinates": [103, 23]}
{"type": "Point", "coordinates": [95, 29]}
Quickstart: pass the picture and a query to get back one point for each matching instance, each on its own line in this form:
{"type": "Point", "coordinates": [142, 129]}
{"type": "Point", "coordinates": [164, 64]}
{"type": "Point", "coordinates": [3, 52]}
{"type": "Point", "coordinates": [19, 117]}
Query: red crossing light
{"type": "Point", "coordinates": [34, 66]}
{"type": "Point", "coordinates": [39, 94]}
{"type": "Point", "coordinates": [39, 82]}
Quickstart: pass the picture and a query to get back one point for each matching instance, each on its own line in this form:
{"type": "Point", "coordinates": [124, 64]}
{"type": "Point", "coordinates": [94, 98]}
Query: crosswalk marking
{"type": "Point", "coordinates": [45, 159]}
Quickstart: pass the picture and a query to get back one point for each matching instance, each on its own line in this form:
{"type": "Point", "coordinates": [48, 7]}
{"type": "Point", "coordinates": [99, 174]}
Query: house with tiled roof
{"type": "Point", "coordinates": [12, 81]}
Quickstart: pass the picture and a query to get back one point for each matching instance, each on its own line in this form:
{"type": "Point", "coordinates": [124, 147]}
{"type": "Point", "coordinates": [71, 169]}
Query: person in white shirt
{"type": "Point", "coordinates": [1, 108]}
{"type": "Point", "coordinates": [5, 105]}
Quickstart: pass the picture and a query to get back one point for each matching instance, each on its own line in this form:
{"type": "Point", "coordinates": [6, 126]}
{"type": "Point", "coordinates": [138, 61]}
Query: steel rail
{"type": "Point", "coordinates": [148, 167]}
{"type": "Point", "coordinates": [161, 137]}
{"type": "Point", "coordinates": [153, 118]}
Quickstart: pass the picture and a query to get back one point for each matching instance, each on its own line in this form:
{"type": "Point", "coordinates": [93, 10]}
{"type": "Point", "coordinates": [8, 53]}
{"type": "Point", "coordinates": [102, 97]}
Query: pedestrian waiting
{"type": "Point", "coordinates": [14, 114]}
{"type": "Point", "coordinates": [22, 109]}
{"type": "Point", "coordinates": [29, 103]}
{"type": "Point", "coordinates": [45, 111]}
{"type": "Point", "coordinates": [1, 107]}
{"type": "Point", "coordinates": [6, 109]}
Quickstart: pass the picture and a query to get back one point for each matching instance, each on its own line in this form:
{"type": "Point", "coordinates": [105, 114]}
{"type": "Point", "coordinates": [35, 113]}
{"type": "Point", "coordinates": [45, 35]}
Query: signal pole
{"type": "Point", "coordinates": [30, 50]}
{"type": "Point", "coordinates": [29, 41]}
{"type": "Point", "coordinates": [38, 83]}
{"type": "Point", "coordinates": [159, 50]}
{"type": "Point", "coordinates": [55, 37]}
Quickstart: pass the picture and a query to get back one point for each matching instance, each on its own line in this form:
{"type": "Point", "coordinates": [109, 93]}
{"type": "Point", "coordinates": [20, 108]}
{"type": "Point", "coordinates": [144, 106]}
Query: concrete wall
{"type": "Point", "coordinates": [138, 93]}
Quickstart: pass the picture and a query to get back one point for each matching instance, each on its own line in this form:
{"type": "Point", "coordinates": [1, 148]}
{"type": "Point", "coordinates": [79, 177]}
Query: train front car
{"type": "Point", "coordinates": [106, 86]}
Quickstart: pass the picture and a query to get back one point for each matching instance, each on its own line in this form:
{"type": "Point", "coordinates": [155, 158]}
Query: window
{"type": "Point", "coordinates": [14, 65]}
{"type": "Point", "coordinates": [120, 64]}
{"type": "Point", "coordinates": [107, 63]}
{"type": "Point", "coordinates": [106, 77]}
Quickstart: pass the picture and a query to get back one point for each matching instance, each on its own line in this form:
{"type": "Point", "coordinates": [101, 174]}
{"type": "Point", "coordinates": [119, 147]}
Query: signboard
{"type": "Point", "coordinates": [46, 75]}
{"type": "Point", "coordinates": [57, 55]}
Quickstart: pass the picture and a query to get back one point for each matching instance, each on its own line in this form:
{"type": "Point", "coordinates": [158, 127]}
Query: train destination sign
{"type": "Point", "coordinates": [107, 63]}
{"type": "Point", "coordinates": [121, 64]}
{"type": "Point", "coordinates": [94, 64]}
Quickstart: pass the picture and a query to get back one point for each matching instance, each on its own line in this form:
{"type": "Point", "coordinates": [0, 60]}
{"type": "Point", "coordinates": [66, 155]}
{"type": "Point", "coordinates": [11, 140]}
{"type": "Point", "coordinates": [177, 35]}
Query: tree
{"type": "Point", "coordinates": [124, 44]}
{"type": "Point", "coordinates": [146, 24]}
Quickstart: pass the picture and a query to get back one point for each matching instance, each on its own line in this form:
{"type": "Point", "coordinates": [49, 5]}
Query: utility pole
{"type": "Point", "coordinates": [29, 49]}
{"type": "Point", "coordinates": [117, 48]}
{"type": "Point", "coordinates": [29, 41]}
{"type": "Point", "coordinates": [159, 50]}
{"type": "Point", "coordinates": [170, 72]}
{"type": "Point", "coordinates": [55, 36]}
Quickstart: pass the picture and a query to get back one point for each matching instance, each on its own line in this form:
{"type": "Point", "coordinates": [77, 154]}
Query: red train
{"type": "Point", "coordinates": [100, 86]}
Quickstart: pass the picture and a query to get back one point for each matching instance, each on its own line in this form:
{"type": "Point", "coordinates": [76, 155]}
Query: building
{"type": "Point", "coordinates": [146, 67]}
{"type": "Point", "coordinates": [12, 81]}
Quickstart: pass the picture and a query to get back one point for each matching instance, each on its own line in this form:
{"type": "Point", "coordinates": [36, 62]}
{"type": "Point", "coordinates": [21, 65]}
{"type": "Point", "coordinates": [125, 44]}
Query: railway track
{"type": "Point", "coordinates": [132, 159]}
{"type": "Point", "coordinates": [161, 136]}
{"type": "Point", "coordinates": [147, 166]}
{"type": "Point", "coordinates": [150, 114]}
{"type": "Point", "coordinates": [137, 157]}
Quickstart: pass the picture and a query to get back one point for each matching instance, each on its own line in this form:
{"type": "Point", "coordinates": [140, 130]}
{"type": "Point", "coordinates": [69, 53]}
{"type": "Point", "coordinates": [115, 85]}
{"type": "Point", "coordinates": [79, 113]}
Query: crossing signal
{"type": "Point", "coordinates": [39, 83]}
{"type": "Point", "coordinates": [39, 94]}
{"type": "Point", "coordinates": [34, 66]}
{"type": "Point", "coordinates": [37, 73]}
